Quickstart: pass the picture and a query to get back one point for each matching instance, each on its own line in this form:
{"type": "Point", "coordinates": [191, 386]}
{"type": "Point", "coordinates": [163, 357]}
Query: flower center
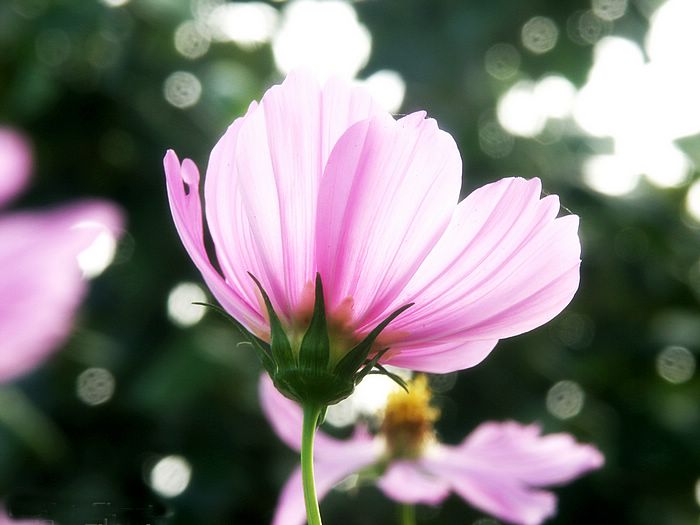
{"type": "Point", "coordinates": [408, 419]}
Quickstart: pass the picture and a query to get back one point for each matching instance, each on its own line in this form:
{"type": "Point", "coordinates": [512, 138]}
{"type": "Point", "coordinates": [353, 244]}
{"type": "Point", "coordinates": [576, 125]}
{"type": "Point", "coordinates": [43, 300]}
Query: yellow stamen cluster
{"type": "Point", "coordinates": [408, 419]}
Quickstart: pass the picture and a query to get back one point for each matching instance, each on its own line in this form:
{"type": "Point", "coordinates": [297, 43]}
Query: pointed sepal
{"type": "Point", "coordinates": [315, 348]}
{"type": "Point", "coordinates": [355, 358]}
{"type": "Point", "coordinates": [279, 342]}
{"type": "Point", "coordinates": [391, 375]}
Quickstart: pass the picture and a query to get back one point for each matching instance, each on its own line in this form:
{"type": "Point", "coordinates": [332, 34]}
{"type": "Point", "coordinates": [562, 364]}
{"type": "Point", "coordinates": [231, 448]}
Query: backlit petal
{"type": "Point", "coordinates": [505, 265]}
{"type": "Point", "coordinates": [263, 179]}
{"type": "Point", "coordinates": [385, 199]}
{"type": "Point", "coordinates": [186, 208]}
{"type": "Point", "coordinates": [440, 358]}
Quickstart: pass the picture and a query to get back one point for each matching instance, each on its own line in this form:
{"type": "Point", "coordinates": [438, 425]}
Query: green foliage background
{"type": "Point", "coordinates": [100, 126]}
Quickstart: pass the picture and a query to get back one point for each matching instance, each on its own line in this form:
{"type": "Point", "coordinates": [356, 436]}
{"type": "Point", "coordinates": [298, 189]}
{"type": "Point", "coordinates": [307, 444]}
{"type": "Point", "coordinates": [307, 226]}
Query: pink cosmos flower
{"type": "Point", "coordinates": [320, 180]}
{"type": "Point", "coordinates": [500, 468]}
{"type": "Point", "coordinates": [41, 284]}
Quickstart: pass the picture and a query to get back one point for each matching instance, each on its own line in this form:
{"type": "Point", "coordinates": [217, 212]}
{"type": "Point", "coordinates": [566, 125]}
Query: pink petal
{"type": "Point", "coordinates": [505, 265]}
{"type": "Point", "coordinates": [440, 358]}
{"type": "Point", "coordinates": [500, 468]}
{"type": "Point", "coordinates": [409, 482]}
{"type": "Point", "coordinates": [15, 163]}
{"type": "Point", "coordinates": [187, 214]}
{"type": "Point", "coordinates": [528, 456]}
{"type": "Point", "coordinates": [40, 282]}
{"type": "Point", "coordinates": [263, 182]}
{"type": "Point", "coordinates": [385, 199]}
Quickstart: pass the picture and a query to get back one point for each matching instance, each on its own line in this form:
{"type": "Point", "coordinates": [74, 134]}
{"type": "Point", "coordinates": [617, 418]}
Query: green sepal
{"type": "Point", "coordinates": [354, 359]}
{"type": "Point", "coordinates": [315, 347]}
{"type": "Point", "coordinates": [322, 416]}
{"type": "Point", "coordinates": [367, 368]}
{"type": "Point", "coordinates": [262, 349]}
{"type": "Point", "coordinates": [394, 377]}
{"type": "Point", "coordinates": [279, 343]}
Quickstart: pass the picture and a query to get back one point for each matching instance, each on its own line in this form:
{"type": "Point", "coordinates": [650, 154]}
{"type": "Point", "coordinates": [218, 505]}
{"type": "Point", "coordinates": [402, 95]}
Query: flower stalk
{"type": "Point", "coordinates": [312, 413]}
{"type": "Point", "coordinates": [407, 514]}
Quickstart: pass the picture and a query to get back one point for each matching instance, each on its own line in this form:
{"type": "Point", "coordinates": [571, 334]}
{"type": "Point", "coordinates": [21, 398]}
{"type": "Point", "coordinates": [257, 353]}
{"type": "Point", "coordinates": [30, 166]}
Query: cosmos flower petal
{"type": "Point", "coordinates": [319, 180]}
{"type": "Point", "coordinates": [505, 265]}
{"type": "Point", "coordinates": [501, 467]}
{"type": "Point", "coordinates": [15, 164]}
{"type": "Point", "coordinates": [186, 209]}
{"type": "Point", "coordinates": [528, 456]}
{"type": "Point", "coordinates": [263, 179]}
{"type": "Point", "coordinates": [409, 482]}
{"type": "Point", "coordinates": [385, 199]}
{"type": "Point", "coordinates": [42, 283]}
{"type": "Point", "coordinates": [441, 358]}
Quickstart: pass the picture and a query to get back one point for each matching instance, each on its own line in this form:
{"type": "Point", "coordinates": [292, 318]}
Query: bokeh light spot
{"type": "Point", "coordinates": [182, 89]}
{"type": "Point", "coordinates": [94, 259]}
{"type": "Point", "coordinates": [388, 88]}
{"type": "Point", "coordinates": [95, 386]}
{"type": "Point", "coordinates": [609, 9]}
{"type": "Point", "coordinates": [676, 364]}
{"type": "Point", "coordinates": [692, 200]}
{"type": "Point", "coordinates": [170, 476]}
{"type": "Point", "coordinates": [518, 112]}
{"type": "Point", "coordinates": [181, 310]}
{"type": "Point", "coordinates": [502, 61]}
{"type": "Point", "coordinates": [248, 24]}
{"type": "Point", "coordinates": [539, 34]}
{"type": "Point", "coordinates": [191, 41]}
{"type": "Point", "coordinates": [324, 36]}
{"type": "Point", "coordinates": [586, 28]}
{"type": "Point", "coordinates": [666, 166]}
{"type": "Point", "coordinates": [493, 139]}
{"type": "Point", "coordinates": [368, 399]}
{"type": "Point", "coordinates": [565, 399]}
{"type": "Point", "coordinates": [609, 175]}
{"type": "Point", "coordinates": [555, 95]}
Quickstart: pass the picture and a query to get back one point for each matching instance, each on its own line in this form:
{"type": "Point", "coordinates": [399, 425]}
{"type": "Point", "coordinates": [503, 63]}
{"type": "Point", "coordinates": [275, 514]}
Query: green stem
{"type": "Point", "coordinates": [311, 415]}
{"type": "Point", "coordinates": [407, 514]}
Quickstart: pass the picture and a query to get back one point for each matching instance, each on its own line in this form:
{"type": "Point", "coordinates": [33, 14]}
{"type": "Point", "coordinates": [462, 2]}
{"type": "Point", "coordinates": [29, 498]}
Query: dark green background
{"type": "Point", "coordinates": [100, 128]}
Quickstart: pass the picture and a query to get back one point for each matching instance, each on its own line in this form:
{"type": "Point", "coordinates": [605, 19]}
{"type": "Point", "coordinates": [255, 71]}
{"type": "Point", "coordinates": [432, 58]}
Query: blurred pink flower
{"type": "Point", "coordinates": [500, 468]}
{"type": "Point", "coordinates": [7, 520]}
{"type": "Point", "coordinates": [321, 179]}
{"type": "Point", "coordinates": [15, 164]}
{"type": "Point", "coordinates": [41, 283]}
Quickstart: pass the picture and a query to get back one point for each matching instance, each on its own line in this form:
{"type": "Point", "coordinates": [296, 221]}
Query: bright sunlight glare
{"type": "Point", "coordinates": [324, 36]}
